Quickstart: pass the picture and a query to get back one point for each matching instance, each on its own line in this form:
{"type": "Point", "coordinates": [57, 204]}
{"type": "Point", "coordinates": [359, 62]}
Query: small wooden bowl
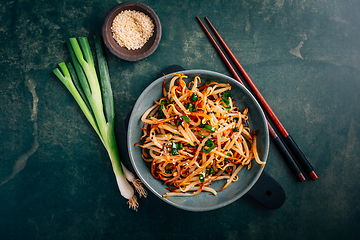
{"type": "Point", "coordinates": [122, 52]}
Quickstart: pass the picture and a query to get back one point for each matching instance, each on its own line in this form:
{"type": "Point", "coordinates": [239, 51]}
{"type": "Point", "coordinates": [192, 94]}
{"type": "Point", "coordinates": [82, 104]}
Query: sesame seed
{"type": "Point", "coordinates": [132, 29]}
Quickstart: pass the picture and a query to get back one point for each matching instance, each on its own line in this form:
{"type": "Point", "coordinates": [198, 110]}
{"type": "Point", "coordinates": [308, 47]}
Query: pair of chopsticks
{"type": "Point", "coordinates": [286, 146]}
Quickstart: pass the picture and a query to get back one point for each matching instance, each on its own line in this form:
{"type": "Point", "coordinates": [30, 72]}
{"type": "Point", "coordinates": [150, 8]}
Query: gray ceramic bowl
{"type": "Point", "coordinates": [203, 201]}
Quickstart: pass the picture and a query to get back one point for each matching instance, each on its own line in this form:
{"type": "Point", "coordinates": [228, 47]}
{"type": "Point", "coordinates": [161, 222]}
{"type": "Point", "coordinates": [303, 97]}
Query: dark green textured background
{"type": "Point", "coordinates": [56, 180]}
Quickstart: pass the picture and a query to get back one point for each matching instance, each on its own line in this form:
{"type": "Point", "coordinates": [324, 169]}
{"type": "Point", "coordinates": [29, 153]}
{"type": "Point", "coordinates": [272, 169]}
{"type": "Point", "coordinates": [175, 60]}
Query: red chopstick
{"type": "Point", "coordinates": [287, 156]}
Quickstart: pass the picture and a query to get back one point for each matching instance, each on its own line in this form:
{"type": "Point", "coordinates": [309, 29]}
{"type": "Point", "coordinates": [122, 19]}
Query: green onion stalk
{"type": "Point", "coordinates": [95, 98]}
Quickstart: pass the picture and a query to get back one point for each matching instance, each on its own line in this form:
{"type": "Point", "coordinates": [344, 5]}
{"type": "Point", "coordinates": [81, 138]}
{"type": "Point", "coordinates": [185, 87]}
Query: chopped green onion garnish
{"type": "Point", "coordinates": [225, 100]}
{"type": "Point", "coordinates": [189, 105]}
{"type": "Point", "coordinates": [186, 118]}
{"type": "Point", "coordinates": [179, 146]}
{"type": "Point", "coordinates": [204, 132]}
{"type": "Point", "coordinates": [210, 171]}
{"type": "Point", "coordinates": [174, 150]}
{"type": "Point", "coordinates": [194, 97]}
{"type": "Point", "coordinates": [225, 105]}
{"type": "Point", "coordinates": [226, 96]}
{"type": "Point", "coordinates": [162, 103]}
{"type": "Point", "coordinates": [208, 127]}
{"type": "Point", "coordinates": [209, 143]}
{"type": "Point", "coordinates": [201, 178]}
{"type": "Point", "coordinates": [210, 146]}
{"type": "Point", "coordinates": [236, 129]}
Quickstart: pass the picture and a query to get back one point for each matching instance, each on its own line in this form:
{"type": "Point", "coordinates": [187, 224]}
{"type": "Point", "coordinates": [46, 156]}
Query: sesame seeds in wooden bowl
{"type": "Point", "coordinates": [131, 31]}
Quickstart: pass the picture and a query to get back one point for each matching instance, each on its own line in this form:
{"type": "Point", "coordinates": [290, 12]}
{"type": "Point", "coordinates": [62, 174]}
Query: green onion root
{"type": "Point", "coordinates": [136, 182]}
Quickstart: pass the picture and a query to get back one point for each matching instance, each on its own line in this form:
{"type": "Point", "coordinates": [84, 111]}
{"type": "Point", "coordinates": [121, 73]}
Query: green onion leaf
{"type": "Point", "coordinates": [78, 84]}
{"type": "Point", "coordinates": [105, 83]}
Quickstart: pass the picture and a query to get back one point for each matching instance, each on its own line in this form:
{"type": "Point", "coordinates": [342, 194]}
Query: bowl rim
{"type": "Point", "coordinates": [190, 208]}
{"type": "Point", "coordinates": [110, 42]}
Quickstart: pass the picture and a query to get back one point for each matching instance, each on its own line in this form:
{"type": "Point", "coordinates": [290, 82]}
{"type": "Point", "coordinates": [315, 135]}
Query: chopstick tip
{"type": "Point", "coordinates": [300, 177]}
{"type": "Point", "coordinates": [313, 176]}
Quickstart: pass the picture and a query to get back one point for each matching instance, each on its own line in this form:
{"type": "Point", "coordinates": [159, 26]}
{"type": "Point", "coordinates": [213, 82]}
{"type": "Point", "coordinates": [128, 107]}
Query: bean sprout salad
{"type": "Point", "coordinates": [195, 135]}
